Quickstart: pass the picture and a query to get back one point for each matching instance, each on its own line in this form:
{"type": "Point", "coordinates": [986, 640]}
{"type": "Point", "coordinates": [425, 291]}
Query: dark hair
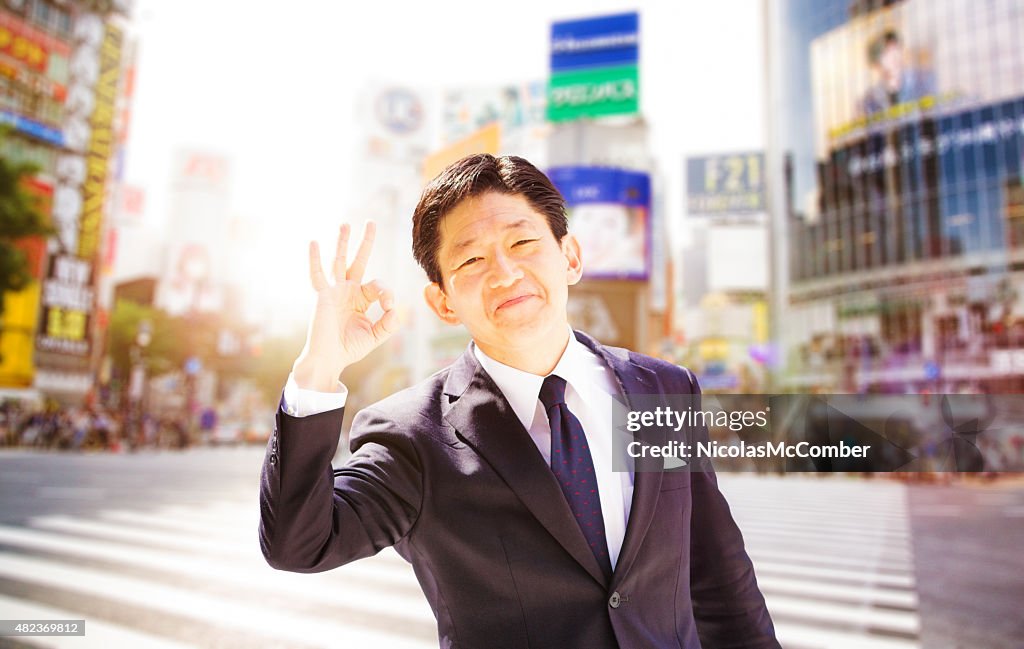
{"type": "Point", "coordinates": [882, 41]}
{"type": "Point", "coordinates": [472, 176]}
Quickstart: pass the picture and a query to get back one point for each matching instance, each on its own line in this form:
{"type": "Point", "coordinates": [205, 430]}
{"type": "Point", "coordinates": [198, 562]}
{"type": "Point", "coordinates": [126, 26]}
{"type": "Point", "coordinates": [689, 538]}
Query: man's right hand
{"type": "Point", "coordinates": [340, 333]}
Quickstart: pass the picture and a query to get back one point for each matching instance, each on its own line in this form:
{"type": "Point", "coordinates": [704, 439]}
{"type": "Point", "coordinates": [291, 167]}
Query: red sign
{"type": "Point", "coordinates": [27, 44]}
{"type": "Point", "coordinates": [35, 247]}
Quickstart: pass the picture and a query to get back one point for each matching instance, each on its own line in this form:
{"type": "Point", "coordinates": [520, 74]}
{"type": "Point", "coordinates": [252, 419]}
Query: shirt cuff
{"type": "Point", "coordinates": [302, 403]}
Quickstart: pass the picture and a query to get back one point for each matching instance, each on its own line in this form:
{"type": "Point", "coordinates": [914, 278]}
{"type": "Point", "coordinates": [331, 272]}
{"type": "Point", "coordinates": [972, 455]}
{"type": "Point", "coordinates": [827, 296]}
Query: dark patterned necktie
{"type": "Point", "coordinates": [574, 468]}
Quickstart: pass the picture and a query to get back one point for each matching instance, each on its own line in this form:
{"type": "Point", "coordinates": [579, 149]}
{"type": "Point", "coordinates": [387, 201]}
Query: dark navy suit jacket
{"type": "Point", "coordinates": [445, 472]}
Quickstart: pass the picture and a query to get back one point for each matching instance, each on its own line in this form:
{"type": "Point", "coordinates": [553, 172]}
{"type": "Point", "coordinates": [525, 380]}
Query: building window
{"type": "Point", "coordinates": [51, 17]}
{"type": "Point", "coordinates": [41, 13]}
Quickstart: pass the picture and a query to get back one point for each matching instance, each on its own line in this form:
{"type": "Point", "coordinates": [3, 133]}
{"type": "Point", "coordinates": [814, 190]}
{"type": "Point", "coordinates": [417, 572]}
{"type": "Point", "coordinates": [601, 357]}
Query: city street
{"type": "Point", "coordinates": [159, 550]}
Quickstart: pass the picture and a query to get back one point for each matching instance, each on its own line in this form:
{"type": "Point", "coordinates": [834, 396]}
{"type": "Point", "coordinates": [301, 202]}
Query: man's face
{"type": "Point", "coordinates": [505, 277]}
{"type": "Point", "coordinates": [891, 62]}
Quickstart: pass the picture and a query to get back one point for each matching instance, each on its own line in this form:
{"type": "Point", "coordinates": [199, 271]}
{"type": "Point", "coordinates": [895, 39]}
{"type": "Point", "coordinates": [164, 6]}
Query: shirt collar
{"type": "Point", "coordinates": [522, 389]}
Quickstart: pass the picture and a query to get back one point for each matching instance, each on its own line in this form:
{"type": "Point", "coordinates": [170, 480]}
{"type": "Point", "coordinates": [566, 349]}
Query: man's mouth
{"type": "Point", "coordinates": [519, 299]}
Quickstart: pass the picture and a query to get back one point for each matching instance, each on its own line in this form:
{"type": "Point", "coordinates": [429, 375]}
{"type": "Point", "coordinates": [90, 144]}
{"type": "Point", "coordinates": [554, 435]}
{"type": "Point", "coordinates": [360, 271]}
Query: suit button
{"type": "Point", "coordinates": [273, 458]}
{"type": "Point", "coordinates": [614, 600]}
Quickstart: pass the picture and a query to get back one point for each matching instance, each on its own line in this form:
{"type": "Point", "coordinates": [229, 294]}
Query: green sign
{"type": "Point", "coordinates": [594, 93]}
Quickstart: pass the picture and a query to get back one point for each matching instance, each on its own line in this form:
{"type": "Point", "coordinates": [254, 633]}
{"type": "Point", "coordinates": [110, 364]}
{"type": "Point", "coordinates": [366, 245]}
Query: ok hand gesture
{"type": "Point", "coordinates": [340, 333]}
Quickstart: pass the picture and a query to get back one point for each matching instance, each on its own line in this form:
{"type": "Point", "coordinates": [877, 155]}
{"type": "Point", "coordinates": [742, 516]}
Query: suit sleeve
{"type": "Point", "coordinates": [727, 603]}
{"type": "Point", "coordinates": [313, 517]}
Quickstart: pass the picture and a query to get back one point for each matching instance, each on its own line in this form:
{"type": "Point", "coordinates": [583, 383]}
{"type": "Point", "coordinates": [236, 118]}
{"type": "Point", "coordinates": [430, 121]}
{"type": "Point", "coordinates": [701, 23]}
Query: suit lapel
{"type": "Point", "coordinates": [634, 380]}
{"type": "Point", "coordinates": [482, 416]}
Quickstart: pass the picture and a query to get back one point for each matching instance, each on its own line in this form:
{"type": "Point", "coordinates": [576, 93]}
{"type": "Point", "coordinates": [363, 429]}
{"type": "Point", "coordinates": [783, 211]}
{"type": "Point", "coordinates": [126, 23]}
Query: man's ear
{"type": "Point", "coordinates": [438, 303]}
{"type": "Point", "coordinates": [571, 250]}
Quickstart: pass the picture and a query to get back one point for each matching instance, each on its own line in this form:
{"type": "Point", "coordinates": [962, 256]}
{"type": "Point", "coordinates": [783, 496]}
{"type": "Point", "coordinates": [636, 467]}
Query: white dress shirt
{"type": "Point", "coordinates": [589, 395]}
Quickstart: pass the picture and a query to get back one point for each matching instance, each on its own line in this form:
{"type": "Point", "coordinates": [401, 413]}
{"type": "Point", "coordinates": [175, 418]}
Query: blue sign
{"type": "Point", "coordinates": [31, 127]}
{"type": "Point", "coordinates": [600, 42]}
{"type": "Point", "coordinates": [583, 185]}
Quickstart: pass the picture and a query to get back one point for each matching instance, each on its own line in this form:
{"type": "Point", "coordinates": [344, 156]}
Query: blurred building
{"type": "Point", "coordinates": [725, 273]}
{"type": "Point", "coordinates": [195, 263]}
{"type": "Point", "coordinates": [896, 149]}
{"type": "Point", "coordinates": [65, 68]}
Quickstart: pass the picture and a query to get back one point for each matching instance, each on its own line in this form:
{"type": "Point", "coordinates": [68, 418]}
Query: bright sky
{"type": "Point", "coordinates": [272, 85]}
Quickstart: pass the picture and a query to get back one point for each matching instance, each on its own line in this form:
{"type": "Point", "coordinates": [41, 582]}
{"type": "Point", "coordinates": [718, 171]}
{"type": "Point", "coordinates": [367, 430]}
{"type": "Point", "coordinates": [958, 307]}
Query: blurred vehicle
{"type": "Point", "coordinates": [227, 433]}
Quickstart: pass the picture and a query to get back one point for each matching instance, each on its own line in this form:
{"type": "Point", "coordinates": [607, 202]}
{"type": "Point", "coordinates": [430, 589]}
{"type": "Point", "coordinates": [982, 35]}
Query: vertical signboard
{"type": "Point", "coordinates": [594, 67]}
{"type": "Point", "coordinates": [68, 293]}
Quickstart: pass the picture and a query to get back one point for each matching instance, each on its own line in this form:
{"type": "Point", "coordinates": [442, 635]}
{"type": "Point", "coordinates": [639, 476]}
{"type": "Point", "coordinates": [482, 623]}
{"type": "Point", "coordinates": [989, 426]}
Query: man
{"type": "Point", "coordinates": [468, 474]}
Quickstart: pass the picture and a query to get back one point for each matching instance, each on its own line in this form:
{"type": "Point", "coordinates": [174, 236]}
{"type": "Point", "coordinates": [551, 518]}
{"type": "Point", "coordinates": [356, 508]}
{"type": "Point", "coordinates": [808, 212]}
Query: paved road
{"type": "Point", "coordinates": [159, 550]}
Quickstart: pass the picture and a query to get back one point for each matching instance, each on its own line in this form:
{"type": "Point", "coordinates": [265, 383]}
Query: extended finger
{"type": "Point", "coordinates": [338, 269]}
{"type": "Point", "coordinates": [316, 269]}
{"type": "Point", "coordinates": [355, 272]}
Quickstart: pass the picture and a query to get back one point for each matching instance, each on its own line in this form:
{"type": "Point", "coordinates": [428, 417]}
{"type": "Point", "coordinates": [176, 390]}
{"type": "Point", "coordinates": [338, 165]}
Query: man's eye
{"type": "Point", "coordinates": [468, 262]}
{"type": "Point", "coordinates": [521, 242]}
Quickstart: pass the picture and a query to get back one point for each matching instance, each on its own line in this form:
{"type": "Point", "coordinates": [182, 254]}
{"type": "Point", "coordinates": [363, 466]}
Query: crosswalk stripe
{"type": "Point", "coordinates": [98, 634]}
{"type": "Point", "coordinates": [185, 542]}
{"type": "Point", "coordinates": [820, 519]}
{"type": "Point", "coordinates": [809, 637]}
{"type": "Point", "coordinates": [833, 558]}
{"type": "Point", "coordinates": [855, 595]}
{"type": "Point", "coordinates": [251, 575]}
{"type": "Point", "coordinates": [863, 545]}
{"type": "Point", "coordinates": [173, 521]}
{"type": "Point", "coordinates": [177, 520]}
{"type": "Point", "coordinates": [198, 606]}
{"type": "Point", "coordinates": [825, 612]}
{"type": "Point", "coordinates": [850, 576]}
{"type": "Point", "coordinates": [865, 542]}
{"type": "Point", "coordinates": [164, 520]}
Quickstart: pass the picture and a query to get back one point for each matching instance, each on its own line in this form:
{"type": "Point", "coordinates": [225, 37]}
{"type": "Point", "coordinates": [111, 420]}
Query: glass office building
{"type": "Point", "coordinates": [896, 146]}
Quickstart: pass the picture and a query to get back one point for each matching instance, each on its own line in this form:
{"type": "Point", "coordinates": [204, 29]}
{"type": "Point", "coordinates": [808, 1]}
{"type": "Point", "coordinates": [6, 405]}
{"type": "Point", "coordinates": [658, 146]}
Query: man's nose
{"type": "Point", "coordinates": [504, 271]}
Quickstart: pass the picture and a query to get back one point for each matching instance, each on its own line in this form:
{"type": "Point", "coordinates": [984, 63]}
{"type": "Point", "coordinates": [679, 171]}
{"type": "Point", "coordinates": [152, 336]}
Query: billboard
{"type": "Point", "coordinates": [910, 60]}
{"type": "Point", "coordinates": [594, 67]}
{"type": "Point", "coordinates": [609, 213]}
{"type": "Point", "coordinates": [465, 110]}
{"type": "Point", "coordinates": [35, 67]}
{"type": "Point", "coordinates": [729, 183]}
{"type": "Point", "coordinates": [917, 138]}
